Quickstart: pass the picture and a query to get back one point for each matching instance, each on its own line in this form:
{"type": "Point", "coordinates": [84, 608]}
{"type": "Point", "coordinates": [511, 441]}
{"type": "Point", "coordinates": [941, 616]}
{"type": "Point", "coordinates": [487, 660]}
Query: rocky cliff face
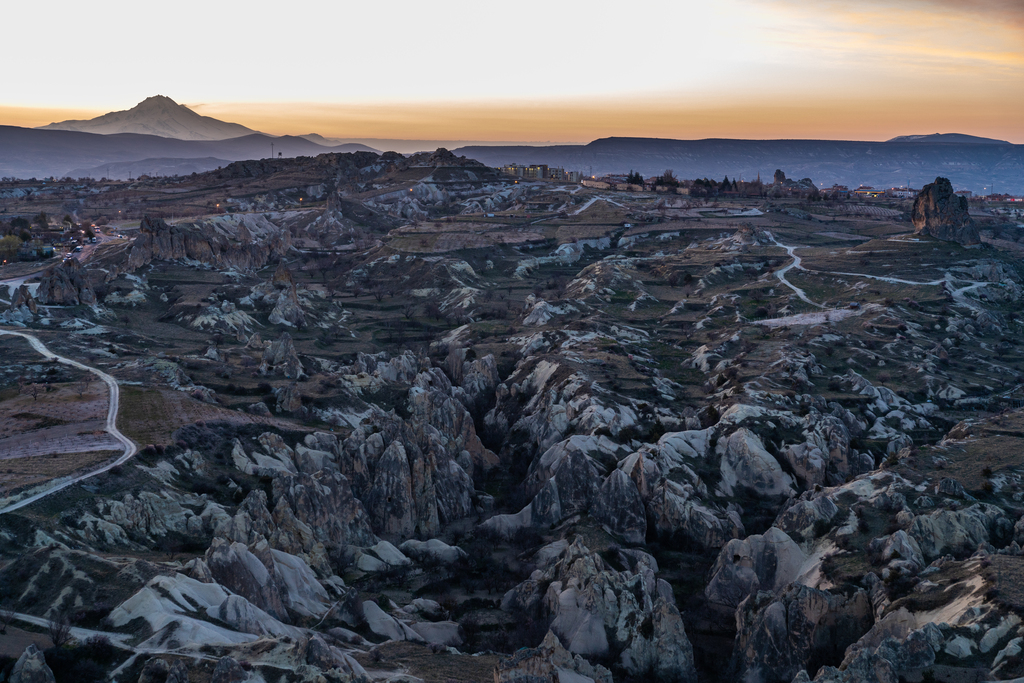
{"type": "Point", "coordinates": [243, 243]}
{"type": "Point", "coordinates": [66, 284]}
{"type": "Point", "coordinates": [547, 662]}
{"type": "Point", "coordinates": [598, 611]}
{"type": "Point", "coordinates": [782, 634]}
{"type": "Point", "coordinates": [415, 475]}
{"type": "Point", "coordinates": [943, 215]}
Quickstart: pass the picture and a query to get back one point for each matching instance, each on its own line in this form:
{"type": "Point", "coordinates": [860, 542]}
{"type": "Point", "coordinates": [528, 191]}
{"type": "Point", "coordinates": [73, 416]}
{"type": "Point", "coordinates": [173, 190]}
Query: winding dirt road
{"type": "Point", "coordinates": [110, 427]}
{"type": "Point", "coordinates": [781, 273]}
{"type": "Point", "coordinates": [958, 293]}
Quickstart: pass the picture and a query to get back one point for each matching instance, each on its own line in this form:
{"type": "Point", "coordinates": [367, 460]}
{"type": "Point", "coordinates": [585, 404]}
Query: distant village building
{"type": "Point", "coordinates": [34, 250]}
{"type": "Point", "coordinates": [613, 182]}
{"type": "Point", "coordinates": [787, 187]}
{"type": "Point", "coordinates": [541, 172]}
{"type": "Point", "coordinates": [837, 191]}
{"type": "Point", "coordinates": [868, 192]}
{"type": "Point", "coordinates": [964, 193]}
{"type": "Point", "coordinates": [902, 192]}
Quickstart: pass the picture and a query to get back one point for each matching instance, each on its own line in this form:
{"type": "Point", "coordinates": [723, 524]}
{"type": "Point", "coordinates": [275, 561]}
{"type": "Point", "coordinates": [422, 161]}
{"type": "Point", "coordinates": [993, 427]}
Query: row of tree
{"type": "Point", "coordinates": [701, 187]}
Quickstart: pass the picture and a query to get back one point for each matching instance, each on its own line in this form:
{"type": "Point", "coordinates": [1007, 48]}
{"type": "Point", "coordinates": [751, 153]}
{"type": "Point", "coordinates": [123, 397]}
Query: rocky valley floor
{"type": "Point", "coordinates": [404, 419]}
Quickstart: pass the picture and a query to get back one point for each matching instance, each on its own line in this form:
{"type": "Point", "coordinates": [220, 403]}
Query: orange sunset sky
{"type": "Point", "coordinates": [555, 71]}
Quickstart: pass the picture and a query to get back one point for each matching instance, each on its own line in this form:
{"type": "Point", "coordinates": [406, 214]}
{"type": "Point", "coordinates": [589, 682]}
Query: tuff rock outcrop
{"type": "Point", "coordinates": [940, 213]}
{"type": "Point", "coordinates": [287, 309]}
{"type": "Point", "coordinates": [228, 670]}
{"type": "Point", "coordinates": [599, 611]}
{"type": "Point", "coordinates": [766, 561]}
{"type": "Point", "coordinates": [780, 635]}
{"type": "Point", "coordinates": [413, 475]}
{"type": "Point", "coordinates": [889, 662]}
{"type": "Point", "coordinates": [65, 284]}
{"type": "Point", "coordinates": [252, 576]}
{"type": "Point", "coordinates": [280, 358]}
{"type": "Point", "coordinates": [551, 663]}
{"type": "Point", "coordinates": [746, 465]}
{"type": "Point", "coordinates": [31, 668]}
{"type": "Point", "coordinates": [23, 297]}
{"type": "Point", "coordinates": [244, 243]}
{"type": "Point", "coordinates": [958, 532]}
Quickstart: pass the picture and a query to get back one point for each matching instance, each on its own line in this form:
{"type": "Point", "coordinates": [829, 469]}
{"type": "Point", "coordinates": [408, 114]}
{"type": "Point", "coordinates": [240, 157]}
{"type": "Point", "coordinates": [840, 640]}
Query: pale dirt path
{"type": "Point", "coordinates": [590, 202]}
{"type": "Point", "coordinates": [781, 273]}
{"type": "Point", "coordinates": [959, 295]}
{"type": "Point", "coordinates": [883, 278]}
{"type": "Point", "coordinates": [111, 422]}
{"type": "Point", "coordinates": [817, 317]}
{"type": "Point", "coordinates": [82, 634]}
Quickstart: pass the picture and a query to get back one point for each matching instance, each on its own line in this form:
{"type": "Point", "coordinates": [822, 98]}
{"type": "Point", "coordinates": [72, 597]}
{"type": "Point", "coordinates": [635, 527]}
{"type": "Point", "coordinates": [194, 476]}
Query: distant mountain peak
{"type": "Point", "coordinates": [157, 115]}
{"type": "Point", "coordinates": [156, 102]}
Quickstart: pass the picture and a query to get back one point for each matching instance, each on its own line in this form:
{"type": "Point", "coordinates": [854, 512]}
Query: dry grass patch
{"type": "Point", "coordinates": [446, 237]}
{"type": "Point", "coordinates": [43, 419]}
{"type": "Point", "coordinates": [51, 405]}
{"type": "Point", "coordinates": [151, 416]}
{"type": "Point", "coordinates": [17, 473]}
{"type": "Point", "coordinates": [1009, 580]}
{"type": "Point", "coordinates": [974, 463]}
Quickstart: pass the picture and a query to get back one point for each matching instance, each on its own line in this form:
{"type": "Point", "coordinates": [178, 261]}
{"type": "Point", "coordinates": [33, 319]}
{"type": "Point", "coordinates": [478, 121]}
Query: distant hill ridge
{"type": "Point", "coordinates": [34, 153]}
{"type": "Point", "coordinates": [161, 136]}
{"type": "Point", "coordinates": [968, 163]}
{"type": "Point", "coordinates": [949, 137]}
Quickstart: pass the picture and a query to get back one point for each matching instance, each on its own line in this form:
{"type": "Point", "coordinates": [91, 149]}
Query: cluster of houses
{"type": "Point", "coordinates": [35, 250]}
{"type": "Point", "coordinates": [868, 192]}
{"type": "Point", "coordinates": [45, 243]}
{"type": "Point", "coordinates": [541, 172]}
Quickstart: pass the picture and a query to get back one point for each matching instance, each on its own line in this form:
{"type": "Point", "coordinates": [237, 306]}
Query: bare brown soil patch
{"type": "Point", "coordinates": [64, 417]}
{"type": "Point", "coordinates": [14, 642]}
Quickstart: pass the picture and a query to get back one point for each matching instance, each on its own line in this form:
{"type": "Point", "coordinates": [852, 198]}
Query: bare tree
{"type": "Point", "coordinates": [59, 628]}
{"type": "Point", "coordinates": [434, 310]}
{"type": "Point", "coordinates": [325, 265]}
{"type": "Point", "coordinates": [6, 617]}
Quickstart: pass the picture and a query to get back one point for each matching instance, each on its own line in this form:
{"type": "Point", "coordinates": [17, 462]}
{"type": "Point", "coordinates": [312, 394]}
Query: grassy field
{"type": "Point", "coordinates": [17, 473]}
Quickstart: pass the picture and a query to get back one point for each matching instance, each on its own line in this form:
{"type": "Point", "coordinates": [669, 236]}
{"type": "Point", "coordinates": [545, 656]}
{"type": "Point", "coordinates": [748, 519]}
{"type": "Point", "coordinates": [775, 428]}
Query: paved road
{"type": "Point", "coordinates": [111, 422]}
